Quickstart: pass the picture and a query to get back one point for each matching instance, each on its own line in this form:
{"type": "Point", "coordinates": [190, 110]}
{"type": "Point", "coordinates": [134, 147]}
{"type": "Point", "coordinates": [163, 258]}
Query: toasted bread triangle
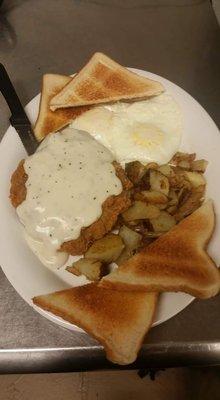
{"type": "Point", "coordinates": [48, 121]}
{"type": "Point", "coordinates": [177, 261]}
{"type": "Point", "coordinates": [118, 320]}
{"type": "Point", "coordinates": [102, 80]}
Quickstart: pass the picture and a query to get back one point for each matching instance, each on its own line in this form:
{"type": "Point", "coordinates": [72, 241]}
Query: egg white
{"type": "Point", "coordinates": [147, 130]}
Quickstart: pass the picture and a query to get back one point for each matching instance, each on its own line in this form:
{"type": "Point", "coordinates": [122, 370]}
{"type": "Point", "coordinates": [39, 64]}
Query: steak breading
{"type": "Point", "coordinates": [18, 188]}
{"type": "Point", "coordinates": [111, 208]}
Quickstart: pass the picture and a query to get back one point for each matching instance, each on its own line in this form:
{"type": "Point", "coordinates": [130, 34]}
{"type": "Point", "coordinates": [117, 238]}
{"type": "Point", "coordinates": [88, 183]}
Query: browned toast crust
{"type": "Point", "coordinates": [103, 80]}
{"type": "Point", "coordinates": [47, 120]}
{"type": "Point", "coordinates": [118, 320]}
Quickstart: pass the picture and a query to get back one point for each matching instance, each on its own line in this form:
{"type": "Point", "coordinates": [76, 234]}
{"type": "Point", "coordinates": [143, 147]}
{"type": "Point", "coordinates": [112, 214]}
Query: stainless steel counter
{"type": "Point", "coordinates": [178, 39]}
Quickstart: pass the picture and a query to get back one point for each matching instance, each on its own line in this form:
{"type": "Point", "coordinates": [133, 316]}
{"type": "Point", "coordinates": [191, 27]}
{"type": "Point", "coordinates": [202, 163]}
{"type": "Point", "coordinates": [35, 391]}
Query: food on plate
{"type": "Point", "coordinates": [152, 213]}
{"type": "Point", "coordinates": [111, 208]}
{"type": "Point", "coordinates": [130, 238]}
{"type": "Point", "coordinates": [181, 158]}
{"type": "Point", "coordinates": [90, 268]}
{"type": "Point", "coordinates": [103, 80]}
{"type": "Point", "coordinates": [163, 223]}
{"type": "Point", "coordinates": [140, 210]}
{"type": "Point", "coordinates": [135, 171]}
{"type": "Point", "coordinates": [159, 182]}
{"type": "Point", "coordinates": [195, 178]}
{"type": "Point", "coordinates": [72, 195]}
{"type": "Point", "coordinates": [199, 165]}
{"type": "Point", "coordinates": [168, 187]}
{"type": "Point", "coordinates": [132, 241]}
{"type": "Point", "coordinates": [113, 188]}
{"type": "Point", "coordinates": [106, 249]}
{"type": "Point", "coordinates": [189, 203]}
{"type": "Point", "coordinates": [48, 121]}
{"type": "Point", "coordinates": [18, 188]}
{"type": "Point", "coordinates": [118, 320]}
{"type": "Point", "coordinates": [152, 197]}
{"type": "Point", "coordinates": [147, 130]}
{"type": "Point", "coordinates": [176, 261]}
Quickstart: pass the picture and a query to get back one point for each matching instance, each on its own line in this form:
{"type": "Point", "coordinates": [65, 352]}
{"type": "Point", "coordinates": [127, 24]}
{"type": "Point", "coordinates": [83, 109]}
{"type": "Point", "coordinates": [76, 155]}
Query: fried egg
{"type": "Point", "coordinates": [147, 130]}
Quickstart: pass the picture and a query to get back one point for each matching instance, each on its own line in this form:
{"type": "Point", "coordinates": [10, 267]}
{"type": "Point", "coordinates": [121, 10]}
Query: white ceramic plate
{"type": "Point", "coordinates": [25, 272]}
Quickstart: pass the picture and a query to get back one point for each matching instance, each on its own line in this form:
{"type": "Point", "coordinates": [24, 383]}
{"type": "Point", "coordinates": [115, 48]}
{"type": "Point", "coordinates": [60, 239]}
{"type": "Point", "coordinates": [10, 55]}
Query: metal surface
{"type": "Point", "coordinates": [84, 358]}
{"type": "Point", "coordinates": [176, 39]}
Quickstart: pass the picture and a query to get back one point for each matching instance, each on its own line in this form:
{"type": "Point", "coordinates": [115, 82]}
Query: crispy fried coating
{"type": "Point", "coordinates": [111, 208]}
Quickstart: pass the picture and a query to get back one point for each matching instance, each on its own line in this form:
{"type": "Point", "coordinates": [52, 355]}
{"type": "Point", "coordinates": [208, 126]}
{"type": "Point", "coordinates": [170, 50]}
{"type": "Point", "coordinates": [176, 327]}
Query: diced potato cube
{"type": "Point", "coordinates": [199, 165]}
{"type": "Point", "coordinates": [125, 255]}
{"type": "Point", "coordinates": [135, 171]}
{"type": "Point", "coordinates": [179, 157]}
{"type": "Point", "coordinates": [140, 226]}
{"type": "Point", "coordinates": [152, 165]}
{"type": "Point", "coordinates": [130, 238]}
{"type": "Point", "coordinates": [184, 164]}
{"type": "Point", "coordinates": [179, 181]}
{"type": "Point", "coordinates": [163, 223]}
{"type": "Point", "coordinates": [106, 249]}
{"type": "Point", "coordinates": [173, 198]}
{"type": "Point", "coordinates": [195, 178]}
{"type": "Point", "coordinates": [171, 209]}
{"type": "Point", "coordinates": [162, 206]}
{"type": "Point", "coordinates": [92, 269]}
{"type": "Point", "coordinates": [152, 197]}
{"type": "Point", "coordinates": [159, 182]}
{"type": "Point", "coordinates": [166, 170]}
{"type": "Point", "coordinates": [140, 210]}
{"type": "Point", "coordinates": [191, 203]}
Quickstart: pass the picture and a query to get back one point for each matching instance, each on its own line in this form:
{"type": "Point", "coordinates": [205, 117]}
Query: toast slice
{"type": "Point", "coordinates": [102, 80]}
{"type": "Point", "coordinates": [48, 121]}
{"type": "Point", "coordinates": [118, 320]}
{"type": "Point", "coordinates": [175, 262]}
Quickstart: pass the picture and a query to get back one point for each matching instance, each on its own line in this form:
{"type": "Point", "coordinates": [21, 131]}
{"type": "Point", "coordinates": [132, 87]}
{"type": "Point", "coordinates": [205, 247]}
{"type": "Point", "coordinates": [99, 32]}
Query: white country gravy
{"type": "Point", "coordinates": [69, 178]}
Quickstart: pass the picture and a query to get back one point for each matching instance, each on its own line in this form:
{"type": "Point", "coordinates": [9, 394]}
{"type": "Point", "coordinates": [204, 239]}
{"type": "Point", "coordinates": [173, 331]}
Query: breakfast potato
{"type": "Point", "coordinates": [141, 225]}
{"type": "Point", "coordinates": [125, 255]}
{"type": "Point", "coordinates": [166, 170]}
{"type": "Point", "coordinates": [106, 249]}
{"type": "Point", "coordinates": [195, 178]}
{"type": "Point", "coordinates": [173, 198]}
{"type": "Point", "coordinates": [159, 182]}
{"type": "Point", "coordinates": [132, 241]}
{"type": "Point", "coordinates": [171, 209]}
{"type": "Point", "coordinates": [163, 223]}
{"type": "Point", "coordinates": [183, 195]}
{"type": "Point", "coordinates": [92, 269]}
{"type": "Point", "coordinates": [135, 171]}
{"type": "Point", "coordinates": [130, 238]}
{"type": "Point", "coordinates": [179, 157]}
{"type": "Point", "coordinates": [152, 197]}
{"type": "Point", "coordinates": [193, 201]}
{"type": "Point", "coordinates": [179, 181]}
{"type": "Point", "coordinates": [163, 195]}
{"type": "Point", "coordinates": [199, 165]}
{"type": "Point", "coordinates": [152, 165]}
{"type": "Point", "coordinates": [184, 164]}
{"type": "Point", "coordinates": [141, 210]}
